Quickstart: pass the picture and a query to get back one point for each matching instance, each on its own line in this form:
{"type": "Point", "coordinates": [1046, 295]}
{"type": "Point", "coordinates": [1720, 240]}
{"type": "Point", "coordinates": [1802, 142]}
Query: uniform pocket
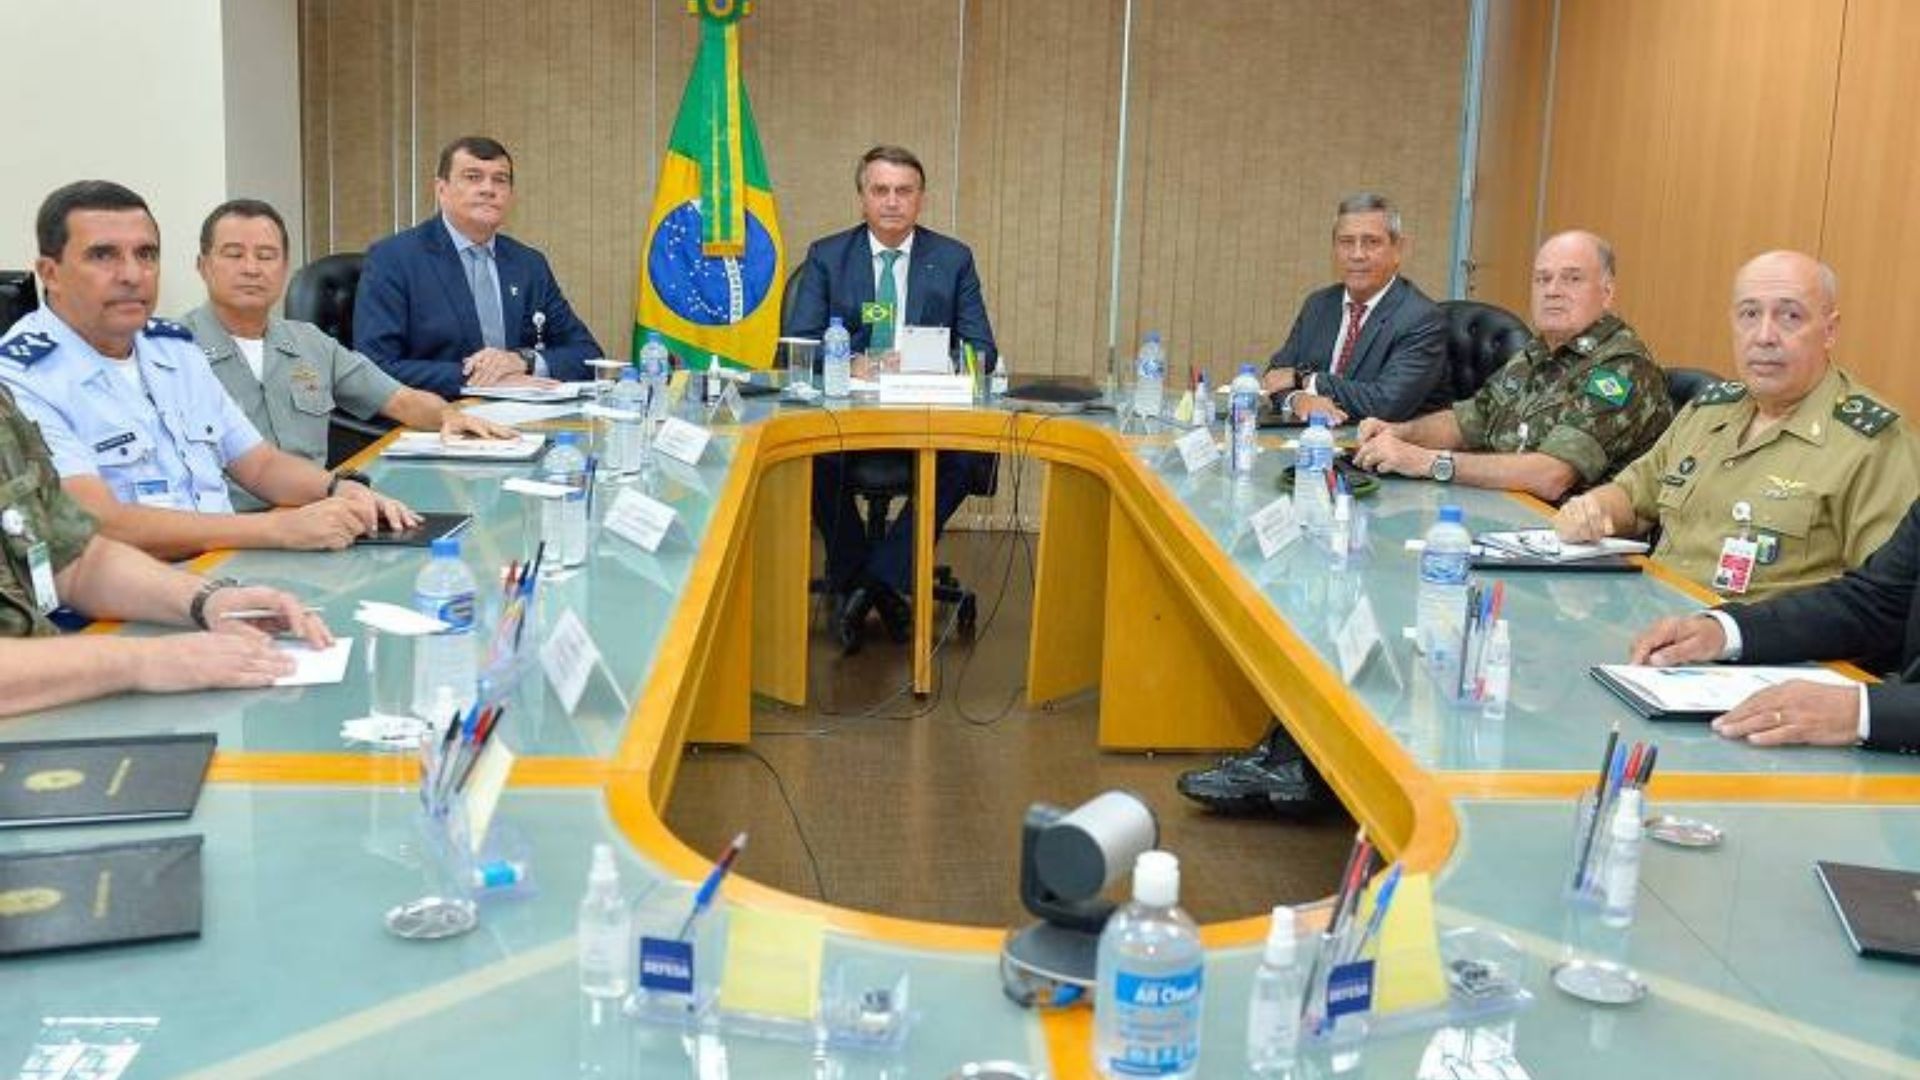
{"type": "Point", "coordinates": [313, 399]}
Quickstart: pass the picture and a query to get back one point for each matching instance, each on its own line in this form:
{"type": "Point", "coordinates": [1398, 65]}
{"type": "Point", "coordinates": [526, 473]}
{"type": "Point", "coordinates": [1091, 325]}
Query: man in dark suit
{"type": "Point", "coordinates": [1870, 615]}
{"type": "Point", "coordinates": [452, 301]}
{"type": "Point", "coordinates": [1370, 345]}
{"type": "Point", "coordinates": [878, 277]}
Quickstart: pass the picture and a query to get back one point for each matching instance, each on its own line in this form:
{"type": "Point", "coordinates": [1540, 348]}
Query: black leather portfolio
{"type": "Point", "coordinates": [1878, 908]}
{"type": "Point", "coordinates": [79, 897]}
{"type": "Point", "coordinates": [77, 781]}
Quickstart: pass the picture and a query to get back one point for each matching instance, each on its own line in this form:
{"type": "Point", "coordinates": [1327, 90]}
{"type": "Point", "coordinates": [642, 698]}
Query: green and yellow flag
{"type": "Point", "coordinates": [710, 272]}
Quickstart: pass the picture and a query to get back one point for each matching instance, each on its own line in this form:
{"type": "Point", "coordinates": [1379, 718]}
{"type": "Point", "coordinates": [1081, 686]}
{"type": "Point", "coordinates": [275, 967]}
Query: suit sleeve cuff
{"type": "Point", "coordinates": [1735, 645]}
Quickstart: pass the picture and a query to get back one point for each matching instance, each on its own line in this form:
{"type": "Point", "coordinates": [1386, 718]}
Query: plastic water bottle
{"type": "Point", "coordinates": [1442, 609]}
{"type": "Point", "coordinates": [711, 388]}
{"type": "Point", "coordinates": [1150, 376]}
{"type": "Point", "coordinates": [627, 439]}
{"type": "Point", "coordinates": [563, 521]}
{"type": "Point", "coordinates": [1149, 969]}
{"type": "Point", "coordinates": [444, 671]}
{"type": "Point", "coordinates": [836, 363]}
{"type": "Point", "coordinates": [605, 932]}
{"type": "Point", "coordinates": [1243, 421]}
{"type": "Point", "coordinates": [1203, 411]}
{"type": "Point", "coordinates": [1312, 459]}
{"type": "Point", "coordinates": [1273, 1008]}
{"type": "Point", "coordinates": [1622, 877]}
{"type": "Point", "coordinates": [656, 371]}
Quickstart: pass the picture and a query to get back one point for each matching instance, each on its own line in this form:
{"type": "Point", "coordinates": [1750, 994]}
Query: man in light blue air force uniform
{"type": "Point", "coordinates": [142, 434]}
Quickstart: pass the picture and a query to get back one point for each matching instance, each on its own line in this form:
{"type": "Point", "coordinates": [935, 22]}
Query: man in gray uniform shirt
{"type": "Point", "coordinates": [289, 376]}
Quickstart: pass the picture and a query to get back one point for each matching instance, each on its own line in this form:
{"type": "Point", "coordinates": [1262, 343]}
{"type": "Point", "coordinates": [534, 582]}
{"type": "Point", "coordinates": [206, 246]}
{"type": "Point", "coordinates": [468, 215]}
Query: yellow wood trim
{"type": "Point", "coordinates": [1695, 787]}
{"type": "Point", "coordinates": [321, 768]}
{"type": "Point", "coordinates": [924, 476]}
{"type": "Point", "coordinates": [1069, 1039]}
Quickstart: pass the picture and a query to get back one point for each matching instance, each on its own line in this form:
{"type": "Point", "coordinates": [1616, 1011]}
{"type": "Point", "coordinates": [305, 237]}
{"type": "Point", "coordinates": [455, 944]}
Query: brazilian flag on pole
{"type": "Point", "coordinates": [710, 270]}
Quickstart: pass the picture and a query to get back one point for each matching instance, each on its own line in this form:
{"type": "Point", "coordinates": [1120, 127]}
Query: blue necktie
{"type": "Point", "coordinates": [486, 297]}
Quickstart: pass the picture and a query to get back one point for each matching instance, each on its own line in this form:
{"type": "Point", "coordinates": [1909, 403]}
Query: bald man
{"type": "Point", "coordinates": [1583, 398]}
{"type": "Point", "coordinates": [1787, 477]}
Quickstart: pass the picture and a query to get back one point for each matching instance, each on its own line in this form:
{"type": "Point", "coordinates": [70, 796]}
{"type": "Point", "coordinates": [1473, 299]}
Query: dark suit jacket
{"type": "Point", "coordinates": [414, 315]}
{"type": "Point", "coordinates": [1399, 366]}
{"type": "Point", "coordinates": [1870, 615]}
{"type": "Point", "coordinates": [943, 289]}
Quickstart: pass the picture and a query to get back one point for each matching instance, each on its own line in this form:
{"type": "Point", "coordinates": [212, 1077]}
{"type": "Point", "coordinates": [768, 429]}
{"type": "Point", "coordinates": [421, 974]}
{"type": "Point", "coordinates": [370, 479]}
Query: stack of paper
{"type": "Point", "coordinates": [1544, 545]}
{"type": "Point", "coordinates": [429, 444]}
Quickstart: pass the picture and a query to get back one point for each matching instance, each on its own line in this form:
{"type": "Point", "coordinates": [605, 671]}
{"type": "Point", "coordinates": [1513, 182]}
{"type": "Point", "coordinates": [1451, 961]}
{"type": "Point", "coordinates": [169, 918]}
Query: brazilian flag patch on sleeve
{"type": "Point", "coordinates": [1609, 386]}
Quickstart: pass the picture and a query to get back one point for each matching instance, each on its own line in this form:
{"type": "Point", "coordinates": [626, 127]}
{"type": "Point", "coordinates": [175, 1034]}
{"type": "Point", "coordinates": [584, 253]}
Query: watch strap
{"type": "Point", "coordinates": [197, 608]}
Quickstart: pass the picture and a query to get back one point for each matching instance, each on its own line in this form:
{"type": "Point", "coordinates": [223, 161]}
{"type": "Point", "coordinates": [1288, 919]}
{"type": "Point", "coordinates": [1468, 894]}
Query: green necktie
{"type": "Point", "coordinates": [881, 339]}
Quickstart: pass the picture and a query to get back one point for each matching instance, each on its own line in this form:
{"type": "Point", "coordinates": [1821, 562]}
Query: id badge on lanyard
{"type": "Point", "coordinates": [39, 560]}
{"type": "Point", "coordinates": [1738, 554]}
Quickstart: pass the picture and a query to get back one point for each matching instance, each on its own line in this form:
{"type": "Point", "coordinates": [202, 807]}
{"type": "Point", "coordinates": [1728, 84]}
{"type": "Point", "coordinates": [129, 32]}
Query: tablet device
{"type": "Point", "coordinates": [433, 525]}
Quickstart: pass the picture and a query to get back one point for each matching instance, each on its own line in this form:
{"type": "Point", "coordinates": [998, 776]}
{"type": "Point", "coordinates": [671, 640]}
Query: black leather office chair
{"type": "Point", "coordinates": [1685, 382]}
{"type": "Point", "coordinates": [1479, 339]}
{"type": "Point", "coordinates": [322, 293]}
{"type": "Point", "coordinates": [17, 297]}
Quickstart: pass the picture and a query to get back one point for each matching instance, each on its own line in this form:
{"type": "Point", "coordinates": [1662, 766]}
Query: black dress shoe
{"type": "Point", "coordinates": [850, 626]}
{"type": "Point", "coordinates": [896, 614]}
{"type": "Point", "coordinates": [1274, 780]}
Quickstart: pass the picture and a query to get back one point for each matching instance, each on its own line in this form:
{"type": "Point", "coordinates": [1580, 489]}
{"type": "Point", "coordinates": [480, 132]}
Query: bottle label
{"type": "Point", "coordinates": [1156, 1023]}
{"type": "Point", "coordinates": [1449, 568]}
{"type": "Point", "coordinates": [456, 611]}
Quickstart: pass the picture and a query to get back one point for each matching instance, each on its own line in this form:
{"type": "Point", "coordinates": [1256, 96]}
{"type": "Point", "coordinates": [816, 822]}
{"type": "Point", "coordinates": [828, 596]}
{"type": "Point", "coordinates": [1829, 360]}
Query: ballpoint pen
{"type": "Point", "coordinates": [1382, 899]}
{"type": "Point", "coordinates": [703, 899]}
{"type": "Point", "coordinates": [255, 614]}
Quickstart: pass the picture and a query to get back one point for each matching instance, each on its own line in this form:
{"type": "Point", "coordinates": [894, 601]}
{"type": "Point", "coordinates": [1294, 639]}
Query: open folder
{"type": "Point", "coordinates": [1540, 549]}
{"type": "Point", "coordinates": [1699, 692]}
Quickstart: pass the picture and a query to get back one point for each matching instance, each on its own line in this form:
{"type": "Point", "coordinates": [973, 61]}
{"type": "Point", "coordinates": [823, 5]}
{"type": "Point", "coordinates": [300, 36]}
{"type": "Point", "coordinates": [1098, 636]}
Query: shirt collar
{"type": "Point", "coordinates": [1347, 298]}
{"type": "Point", "coordinates": [875, 247]}
{"type": "Point", "coordinates": [460, 241]}
{"type": "Point", "coordinates": [1813, 416]}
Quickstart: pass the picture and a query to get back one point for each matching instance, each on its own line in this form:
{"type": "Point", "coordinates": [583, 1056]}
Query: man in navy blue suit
{"type": "Point", "coordinates": [1371, 344]}
{"type": "Point", "coordinates": [452, 301]}
{"type": "Point", "coordinates": [879, 276]}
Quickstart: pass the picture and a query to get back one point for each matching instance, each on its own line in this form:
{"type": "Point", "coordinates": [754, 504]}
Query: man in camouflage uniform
{"type": "Point", "coordinates": [1786, 478]}
{"type": "Point", "coordinates": [50, 557]}
{"type": "Point", "coordinates": [1581, 400]}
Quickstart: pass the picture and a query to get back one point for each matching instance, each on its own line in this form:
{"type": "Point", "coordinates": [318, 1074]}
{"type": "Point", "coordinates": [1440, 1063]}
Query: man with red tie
{"type": "Point", "coordinates": [1371, 344]}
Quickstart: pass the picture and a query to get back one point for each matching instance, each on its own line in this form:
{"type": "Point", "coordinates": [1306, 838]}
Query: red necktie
{"type": "Point", "coordinates": [1355, 311]}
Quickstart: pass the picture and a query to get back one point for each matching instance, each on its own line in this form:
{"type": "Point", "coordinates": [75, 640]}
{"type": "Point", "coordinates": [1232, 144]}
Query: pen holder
{"type": "Point", "coordinates": [1593, 964]}
{"type": "Point", "coordinates": [677, 964]}
{"type": "Point", "coordinates": [1337, 1013]}
{"type": "Point", "coordinates": [445, 908]}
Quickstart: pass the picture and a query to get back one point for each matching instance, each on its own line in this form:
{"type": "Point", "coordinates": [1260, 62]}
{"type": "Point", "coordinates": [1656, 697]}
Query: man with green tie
{"type": "Point", "coordinates": [883, 274]}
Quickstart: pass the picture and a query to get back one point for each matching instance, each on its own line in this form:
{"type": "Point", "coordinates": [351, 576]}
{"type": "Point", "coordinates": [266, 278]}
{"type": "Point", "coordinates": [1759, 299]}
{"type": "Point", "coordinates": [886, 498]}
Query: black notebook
{"type": "Point", "coordinates": [78, 897]}
{"type": "Point", "coordinates": [433, 525]}
{"type": "Point", "coordinates": [79, 781]}
{"type": "Point", "coordinates": [1878, 908]}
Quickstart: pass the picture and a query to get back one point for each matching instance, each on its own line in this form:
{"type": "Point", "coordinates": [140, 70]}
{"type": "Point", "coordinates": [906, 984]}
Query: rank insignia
{"type": "Point", "coordinates": [1721, 393]}
{"type": "Point", "coordinates": [1609, 386]}
{"type": "Point", "coordinates": [1864, 415]}
{"type": "Point", "coordinates": [168, 328]}
{"type": "Point", "coordinates": [28, 348]}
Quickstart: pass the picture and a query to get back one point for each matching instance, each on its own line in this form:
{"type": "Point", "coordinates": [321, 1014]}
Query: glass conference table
{"type": "Point", "coordinates": [308, 842]}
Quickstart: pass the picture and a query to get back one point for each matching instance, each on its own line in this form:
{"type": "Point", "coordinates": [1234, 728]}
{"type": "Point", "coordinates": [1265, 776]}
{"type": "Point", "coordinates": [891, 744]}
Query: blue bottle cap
{"type": "Point", "coordinates": [1246, 369]}
{"type": "Point", "coordinates": [446, 547]}
{"type": "Point", "coordinates": [1153, 335]}
{"type": "Point", "coordinates": [629, 375]}
{"type": "Point", "coordinates": [653, 337]}
{"type": "Point", "coordinates": [566, 438]}
{"type": "Point", "coordinates": [1451, 513]}
{"type": "Point", "coordinates": [1318, 419]}
{"type": "Point", "coordinates": [835, 321]}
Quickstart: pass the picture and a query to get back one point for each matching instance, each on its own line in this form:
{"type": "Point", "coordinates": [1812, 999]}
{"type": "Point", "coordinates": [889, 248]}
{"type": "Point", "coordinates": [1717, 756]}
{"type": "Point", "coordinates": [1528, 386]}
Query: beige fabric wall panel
{"type": "Point", "coordinates": [1693, 135]}
{"type": "Point", "coordinates": [1871, 231]}
{"type": "Point", "coordinates": [1249, 121]}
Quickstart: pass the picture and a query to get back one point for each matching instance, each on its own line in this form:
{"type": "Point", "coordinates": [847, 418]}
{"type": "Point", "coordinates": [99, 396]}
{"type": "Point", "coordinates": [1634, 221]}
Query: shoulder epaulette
{"type": "Point", "coordinates": [1864, 415]}
{"type": "Point", "coordinates": [168, 328]}
{"type": "Point", "coordinates": [1721, 393]}
{"type": "Point", "coordinates": [27, 349]}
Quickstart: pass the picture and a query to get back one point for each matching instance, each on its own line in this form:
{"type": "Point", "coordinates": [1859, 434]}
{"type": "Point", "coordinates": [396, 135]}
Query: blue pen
{"type": "Point", "coordinates": [709, 888]}
{"type": "Point", "coordinates": [1381, 901]}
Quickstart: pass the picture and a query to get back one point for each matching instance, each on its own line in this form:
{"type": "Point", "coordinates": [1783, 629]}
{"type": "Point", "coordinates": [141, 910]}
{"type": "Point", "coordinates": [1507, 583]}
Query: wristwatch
{"type": "Point", "coordinates": [529, 357]}
{"type": "Point", "coordinates": [1442, 467]}
{"type": "Point", "coordinates": [197, 607]}
{"type": "Point", "coordinates": [345, 475]}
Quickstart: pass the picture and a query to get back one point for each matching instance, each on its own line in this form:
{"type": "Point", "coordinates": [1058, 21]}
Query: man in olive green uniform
{"type": "Point", "coordinates": [50, 557]}
{"type": "Point", "coordinates": [1784, 479]}
{"type": "Point", "coordinates": [289, 376]}
{"type": "Point", "coordinates": [1582, 399]}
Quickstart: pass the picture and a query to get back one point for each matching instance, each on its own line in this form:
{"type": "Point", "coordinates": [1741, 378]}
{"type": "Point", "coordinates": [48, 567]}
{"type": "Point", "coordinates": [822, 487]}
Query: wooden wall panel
{"type": "Point", "coordinates": [1513, 114]}
{"type": "Point", "coordinates": [1247, 127]}
{"type": "Point", "coordinates": [1871, 230]}
{"type": "Point", "coordinates": [1693, 136]}
{"type": "Point", "coordinates": [1249, 123]}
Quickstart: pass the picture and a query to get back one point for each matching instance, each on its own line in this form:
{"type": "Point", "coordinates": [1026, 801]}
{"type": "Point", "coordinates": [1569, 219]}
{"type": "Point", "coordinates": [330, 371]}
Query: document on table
{"type": "Point", "coordinates": [315, 667]}
{"type": "Point", "coordinates": [429, 444]}
{"type": "Point", "coordinates": [1544, 545]}
{"type": "Point", "coordinates": [516, 413]}
{"type": "Point", "coordinates": [567, 391]}
{"type": "Point", "coordinates": [1700, 692]}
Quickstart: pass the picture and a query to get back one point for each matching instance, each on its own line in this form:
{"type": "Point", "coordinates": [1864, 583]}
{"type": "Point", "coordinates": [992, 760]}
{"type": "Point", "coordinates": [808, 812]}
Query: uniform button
{"type": "Point", "coordinates": [1728, 464]}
